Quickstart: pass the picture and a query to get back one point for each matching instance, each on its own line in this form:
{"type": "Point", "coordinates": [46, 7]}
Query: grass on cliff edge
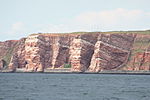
{"type": "Point", "coordinates": [137, 32]}
{"type": "Point", "coordinates": [109, 32]}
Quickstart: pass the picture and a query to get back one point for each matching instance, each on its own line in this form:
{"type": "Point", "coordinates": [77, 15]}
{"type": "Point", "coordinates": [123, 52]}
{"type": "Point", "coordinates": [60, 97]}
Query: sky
{"type": "Point", "coordinates": [19, 18]}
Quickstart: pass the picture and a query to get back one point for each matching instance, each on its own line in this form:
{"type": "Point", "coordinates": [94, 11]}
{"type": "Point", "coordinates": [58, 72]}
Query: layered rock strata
{"type": "Point", "coordinates": [111, 51]}
{"type": "Point", "coordinates": [81, 51]}
{"type": "Point", "coordinates": [34, 53]}
{"type": "Point", "coordinates": [92, 52]}
{"type": "Point", "coordinates": [6, 50]}
{"type": "Point", "coordinates": [17, 59]}
{"type": "Point", "coordinates": [140, 56]}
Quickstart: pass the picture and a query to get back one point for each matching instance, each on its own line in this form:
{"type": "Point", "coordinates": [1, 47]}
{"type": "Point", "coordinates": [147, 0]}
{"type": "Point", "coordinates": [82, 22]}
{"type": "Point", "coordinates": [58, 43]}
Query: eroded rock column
{"type": "Point", "coordinates": [80, 54]}
{"type": "Point", "coordinates": [35, 51]}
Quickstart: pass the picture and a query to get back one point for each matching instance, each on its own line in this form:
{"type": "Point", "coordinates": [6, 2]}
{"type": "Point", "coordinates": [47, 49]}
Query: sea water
{"type": "Point", "coordinates": [42, 86]}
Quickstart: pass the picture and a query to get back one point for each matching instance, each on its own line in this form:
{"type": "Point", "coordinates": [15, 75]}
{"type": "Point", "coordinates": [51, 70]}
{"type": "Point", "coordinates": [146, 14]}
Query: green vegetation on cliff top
{"type": "Point", "coordinates": [109, 32]}
{"type": "Point", "coordinates": [137, 32]}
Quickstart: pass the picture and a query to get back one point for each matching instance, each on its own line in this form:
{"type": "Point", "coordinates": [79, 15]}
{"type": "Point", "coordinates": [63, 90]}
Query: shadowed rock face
{"type": "Point", "coordinates": [6, 48]}
{"type": "Point", "coordinates": [2, 64]}
{"type": "Point", "coordinates": [141, 61]}
{"type": "Point", "coordinates": [140, 55]}
{"type": "Point", "coordinates": [85, 52]}
{"type": "Point", "coordinates": [18, 55]}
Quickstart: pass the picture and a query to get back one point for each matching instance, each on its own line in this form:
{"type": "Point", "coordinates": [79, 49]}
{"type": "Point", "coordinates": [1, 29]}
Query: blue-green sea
{"type": "Point", "coordinates": [42, 86]}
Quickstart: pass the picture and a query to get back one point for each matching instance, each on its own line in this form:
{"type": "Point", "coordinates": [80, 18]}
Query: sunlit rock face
{"type": "Point", "coordinates": [46, 51]}
{"type": "Point", "coordinates": [111, 51]}
{"type": "Point", "coordinates": [81, 52]}
{"type": "Point", "coordinates": [93, 52]}
{"type": "Point", "coordinates": [34, 53]}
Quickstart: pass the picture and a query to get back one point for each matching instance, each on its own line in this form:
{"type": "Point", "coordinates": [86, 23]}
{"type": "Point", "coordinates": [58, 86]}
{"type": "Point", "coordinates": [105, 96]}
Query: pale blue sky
{"type": "Point", "coordinates": [19, 18]}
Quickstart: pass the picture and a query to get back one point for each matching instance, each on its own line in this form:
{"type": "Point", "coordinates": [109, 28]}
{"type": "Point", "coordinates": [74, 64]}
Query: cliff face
{"type": "Point", "coordinates": [17, 58]}
{"type": "Point", "coordinates": [140, 55]}
{"type": "Point", "coordinates": [81, 51]}
{"type": "Point", "coordinates": [6, 52]}
{"type": "Point", "coordinates": [92, 52]}
{"type": "Point", "coordinates": [111, 51]}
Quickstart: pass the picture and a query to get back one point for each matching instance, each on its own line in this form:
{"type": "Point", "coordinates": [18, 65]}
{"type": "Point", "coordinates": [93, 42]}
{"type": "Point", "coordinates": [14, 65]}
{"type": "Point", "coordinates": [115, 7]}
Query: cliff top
{"type": "Point", "coordinates": [109, 32]}
{"type": "Point", "coordinates": [145, 32]}
{"type": "Point", "coordinates": [58, 34]}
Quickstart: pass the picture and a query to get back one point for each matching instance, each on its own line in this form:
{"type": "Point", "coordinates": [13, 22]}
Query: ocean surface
{"type": "Point", "coordinates": [42, 86]}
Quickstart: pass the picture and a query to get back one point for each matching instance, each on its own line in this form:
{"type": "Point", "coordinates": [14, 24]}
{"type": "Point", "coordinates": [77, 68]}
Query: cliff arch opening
{"type": "Point", "coordinates": [3, 64]}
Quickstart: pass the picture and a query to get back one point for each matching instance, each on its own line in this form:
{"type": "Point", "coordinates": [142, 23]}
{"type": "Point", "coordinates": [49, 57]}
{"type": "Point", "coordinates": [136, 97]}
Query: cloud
{"type": "Point", "coordinates": [108, 20]}
{"type": "Point", "coordinates": [62, 28]}
{"type": "Point", "coordinates": [114, 19]}
{"type": "Point", "coordinates": [17, 27]}
{"type": "Point", "coordinates": [117, 19]}
{"type": "Point", "coordinates": [16, 30]}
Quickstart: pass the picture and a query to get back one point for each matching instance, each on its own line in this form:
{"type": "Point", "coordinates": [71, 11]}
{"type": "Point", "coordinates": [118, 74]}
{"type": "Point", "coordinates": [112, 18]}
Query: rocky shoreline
{"type": "Point", "coordinates": [68, 71]}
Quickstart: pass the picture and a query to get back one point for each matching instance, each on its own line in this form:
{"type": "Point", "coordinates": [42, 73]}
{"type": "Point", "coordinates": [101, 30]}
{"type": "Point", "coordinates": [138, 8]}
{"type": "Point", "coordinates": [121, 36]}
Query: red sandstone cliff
{"type": "Point", "coordinates": [6, 51]}
{"type": "Point", "coordinates": [92, 52]}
